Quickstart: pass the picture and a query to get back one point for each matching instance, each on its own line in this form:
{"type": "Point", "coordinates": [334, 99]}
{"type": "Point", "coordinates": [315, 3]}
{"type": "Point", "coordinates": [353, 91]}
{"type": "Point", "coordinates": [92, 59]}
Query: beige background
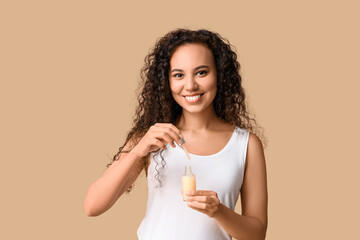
{"type": "Point", "coordinates": [69, 70]}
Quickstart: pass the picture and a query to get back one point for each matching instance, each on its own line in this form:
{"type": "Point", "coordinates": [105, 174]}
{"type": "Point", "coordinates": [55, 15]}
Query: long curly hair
{"type": "Point", "coordinates": [229, 103]}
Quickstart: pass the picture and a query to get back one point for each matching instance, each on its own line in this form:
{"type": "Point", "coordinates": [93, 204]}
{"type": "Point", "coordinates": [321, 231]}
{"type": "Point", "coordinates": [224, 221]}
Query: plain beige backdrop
{"type": "Point", "coordinates": [69, 70]}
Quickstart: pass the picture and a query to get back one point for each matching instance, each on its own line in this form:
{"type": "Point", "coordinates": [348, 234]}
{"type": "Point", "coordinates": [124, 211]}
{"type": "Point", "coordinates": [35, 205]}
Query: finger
{"type": "Point", "coordinates": [171, 126]}
{"type": "Point", "coordinates": [198, 205]}
{"type": "Point", "coordinates": [205, 206]}
{"type": "Point", "coordinates": [173, 134]}
{"type": "Point", "coordinates": [164, 137]}
{"type": "Point", "coordinates": [158, 143]}
{"type": "Point", "coordinates": [210, 212]}
{"type": "Point", "coordinates": [201, 193]}
{"type": "Point", "coordinates": [202, 199]}
{"type": "Point", "coordinates": [158, 132]}
{"type": "Point", "coordinates": [163, 133]}
{"type": "Point", "coordinates": [171, 130]}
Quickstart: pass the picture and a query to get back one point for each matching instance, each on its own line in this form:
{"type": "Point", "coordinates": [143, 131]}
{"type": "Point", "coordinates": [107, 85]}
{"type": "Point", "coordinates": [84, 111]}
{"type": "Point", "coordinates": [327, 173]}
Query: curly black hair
{"type": "Point", "coordinates": [229, 102]}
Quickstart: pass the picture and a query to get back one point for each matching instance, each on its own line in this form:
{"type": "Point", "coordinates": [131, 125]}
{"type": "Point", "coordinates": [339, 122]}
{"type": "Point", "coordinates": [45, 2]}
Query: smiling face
{"type": "Point", "coordinates": [193, 77]}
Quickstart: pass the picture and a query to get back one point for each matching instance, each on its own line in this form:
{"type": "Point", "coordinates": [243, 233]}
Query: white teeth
{"type": "Point", "coordinates": [192, 98]}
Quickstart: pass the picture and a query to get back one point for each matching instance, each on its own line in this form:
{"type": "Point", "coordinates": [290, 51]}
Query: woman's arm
{"type": "Point", "coordinates": [252, 224]}
{"type": "Point", "coordinates": [105, 191]}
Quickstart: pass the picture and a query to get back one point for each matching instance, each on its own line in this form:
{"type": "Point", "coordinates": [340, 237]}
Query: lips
{"type": "Point", "coordinates": [193, 97]}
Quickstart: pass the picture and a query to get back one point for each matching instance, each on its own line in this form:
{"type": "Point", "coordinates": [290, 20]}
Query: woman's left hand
{"type": "Point", "coordinates": [203, 201]}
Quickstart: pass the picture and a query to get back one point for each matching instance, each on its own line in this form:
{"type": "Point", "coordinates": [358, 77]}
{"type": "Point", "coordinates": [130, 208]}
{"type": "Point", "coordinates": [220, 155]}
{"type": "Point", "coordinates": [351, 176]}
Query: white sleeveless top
{"type": "Point", "coordinates": [167, 215]}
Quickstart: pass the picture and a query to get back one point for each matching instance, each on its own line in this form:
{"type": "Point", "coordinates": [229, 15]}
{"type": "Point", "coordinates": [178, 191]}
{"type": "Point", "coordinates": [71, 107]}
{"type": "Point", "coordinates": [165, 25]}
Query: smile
{"type": "Point", "coordinates": [193, 98]}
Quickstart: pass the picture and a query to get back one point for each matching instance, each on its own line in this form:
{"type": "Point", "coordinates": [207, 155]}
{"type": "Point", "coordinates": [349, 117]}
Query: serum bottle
{"type": "Point", "coordinates": [188, 182]}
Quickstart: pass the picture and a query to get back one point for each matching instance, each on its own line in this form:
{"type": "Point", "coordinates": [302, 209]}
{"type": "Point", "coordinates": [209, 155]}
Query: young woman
{"type": "Point", "coordinates": [191, 96]}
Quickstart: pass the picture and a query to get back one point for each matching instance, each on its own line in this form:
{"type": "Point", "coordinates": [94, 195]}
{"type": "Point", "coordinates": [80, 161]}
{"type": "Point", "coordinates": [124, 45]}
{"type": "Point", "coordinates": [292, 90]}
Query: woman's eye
{"type": "Point", "coordinates": [201, 73]}
{"type": "Point", "coordinates": [178, 75]}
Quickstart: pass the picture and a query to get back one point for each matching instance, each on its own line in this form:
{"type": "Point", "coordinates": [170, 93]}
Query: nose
{"type": "Point", "coordinates": [190, 84]}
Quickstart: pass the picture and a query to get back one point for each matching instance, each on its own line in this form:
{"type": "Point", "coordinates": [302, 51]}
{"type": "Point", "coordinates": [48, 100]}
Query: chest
{"type": "Point", "coordinates": [206, 144]}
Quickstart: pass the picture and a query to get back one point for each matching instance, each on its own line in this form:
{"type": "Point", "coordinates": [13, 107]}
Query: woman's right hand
{"type": "Point", "coordinates": [157, 137]}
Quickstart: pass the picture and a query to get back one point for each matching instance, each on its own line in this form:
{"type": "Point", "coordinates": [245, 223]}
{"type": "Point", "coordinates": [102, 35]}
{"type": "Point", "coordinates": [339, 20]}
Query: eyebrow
{"type": "Point", "coordinates": [179, 70]}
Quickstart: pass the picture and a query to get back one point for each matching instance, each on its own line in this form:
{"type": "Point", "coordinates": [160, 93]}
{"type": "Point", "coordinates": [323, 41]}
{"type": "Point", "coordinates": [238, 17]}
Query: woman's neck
{"type": "Point", "coordinates": [204, 120]}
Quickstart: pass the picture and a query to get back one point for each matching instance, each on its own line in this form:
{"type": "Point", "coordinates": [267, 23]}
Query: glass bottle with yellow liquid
{"type": "Point", "coordinates": [188, 182]}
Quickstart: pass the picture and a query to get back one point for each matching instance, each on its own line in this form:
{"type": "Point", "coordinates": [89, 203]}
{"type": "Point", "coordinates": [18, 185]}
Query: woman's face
{"type": "Point", "coordinates": [193, 77]}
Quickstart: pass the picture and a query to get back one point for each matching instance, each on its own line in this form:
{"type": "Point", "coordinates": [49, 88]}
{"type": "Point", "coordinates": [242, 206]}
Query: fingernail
{"type": "Point", "coordinates": [182, 141]}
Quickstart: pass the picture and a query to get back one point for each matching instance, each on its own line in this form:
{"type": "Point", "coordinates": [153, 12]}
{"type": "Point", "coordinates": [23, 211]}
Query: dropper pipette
{"type": "Point", "coordinates": [184, 148]}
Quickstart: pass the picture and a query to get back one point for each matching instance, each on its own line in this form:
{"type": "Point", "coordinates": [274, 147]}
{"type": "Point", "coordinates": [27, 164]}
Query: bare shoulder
{"type": "Point", "coordinates": [255, 157]}
{"type": "Point", "coordinates": [255, 146]}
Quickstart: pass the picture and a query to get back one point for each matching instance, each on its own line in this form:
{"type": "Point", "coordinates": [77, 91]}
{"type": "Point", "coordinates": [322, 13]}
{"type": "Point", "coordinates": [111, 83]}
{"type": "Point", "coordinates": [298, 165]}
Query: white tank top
{"type": "Point", "coordinates": [167, 215]}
